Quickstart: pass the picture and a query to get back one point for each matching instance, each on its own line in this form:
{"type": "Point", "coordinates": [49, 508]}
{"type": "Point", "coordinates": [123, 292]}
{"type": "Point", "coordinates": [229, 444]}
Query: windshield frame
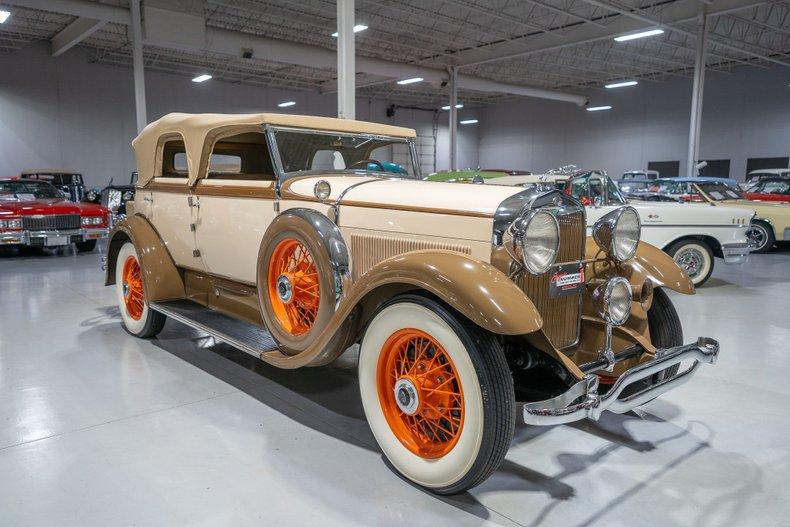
{"type": "Point", "coordinates": [710, 198]}
{"type": "Point", "coordinates": [282, 175]}
{"type": "Point", "coordinates": [612, 193]}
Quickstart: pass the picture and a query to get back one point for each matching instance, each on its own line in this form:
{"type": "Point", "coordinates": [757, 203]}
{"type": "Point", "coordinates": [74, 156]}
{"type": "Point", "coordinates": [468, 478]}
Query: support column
{"type": "Point", "coordinates": [453, 71]}
{"type": "Point", "coordinates": [138, 65]}
{"type": "Point", "coordinates": [698, 90]}
{"type": "Point", "coordinates": [346, 87]}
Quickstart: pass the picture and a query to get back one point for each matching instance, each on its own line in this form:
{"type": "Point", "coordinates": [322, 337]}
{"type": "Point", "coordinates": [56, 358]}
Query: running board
{"type": "Point", "coordinates": [245, 336]}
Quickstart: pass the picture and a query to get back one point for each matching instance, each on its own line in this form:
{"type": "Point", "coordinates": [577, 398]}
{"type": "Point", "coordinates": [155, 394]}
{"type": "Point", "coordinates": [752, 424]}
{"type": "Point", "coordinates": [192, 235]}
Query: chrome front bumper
{"type": "Point", "coordinates": [582, 400]}
{"type": "Point", "coordinates": [52, 238]}
{"type": "Point", "coordinates": [736, 253]}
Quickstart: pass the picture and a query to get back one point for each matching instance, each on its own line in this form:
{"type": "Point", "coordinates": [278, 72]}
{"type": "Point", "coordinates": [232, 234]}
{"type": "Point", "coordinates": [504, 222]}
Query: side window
{"type": "Point", "coordinates": [241, 157]}
{"type": "Point", "coordinates": [174, 159]}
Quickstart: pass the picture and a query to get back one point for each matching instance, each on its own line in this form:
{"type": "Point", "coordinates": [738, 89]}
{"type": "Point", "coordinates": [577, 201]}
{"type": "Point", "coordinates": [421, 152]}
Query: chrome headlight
{"type": "Point", "coordinates": [535, 239]}
{"type": "Point", "coordinates": [613, 300]}
{"type": "Point", "coordinates": [617, 233]}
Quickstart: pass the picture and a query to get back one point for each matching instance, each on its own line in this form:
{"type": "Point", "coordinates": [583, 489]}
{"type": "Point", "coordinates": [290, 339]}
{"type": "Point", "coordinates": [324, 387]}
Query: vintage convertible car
{"type": "Point", "coordinates": [36, 214]}
{"type": "Point", "coordinates": [691, 234]}
{"type": "Point", "coordinates": [769, 189]}
{"type": "Point", "coordinates": [284, 236]}
{"type": "Point", "coordinates": [682, 188]}
{"type": "Point", "coordinates": [772, 223]}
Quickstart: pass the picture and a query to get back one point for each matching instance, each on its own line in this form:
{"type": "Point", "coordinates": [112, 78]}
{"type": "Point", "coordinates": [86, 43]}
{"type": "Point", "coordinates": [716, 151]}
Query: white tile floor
{"type": "Point", "coordinates": [99, 428]}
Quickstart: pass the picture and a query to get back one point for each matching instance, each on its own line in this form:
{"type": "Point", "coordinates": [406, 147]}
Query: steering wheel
{"type": "Point", "coordinates": [364, 164]}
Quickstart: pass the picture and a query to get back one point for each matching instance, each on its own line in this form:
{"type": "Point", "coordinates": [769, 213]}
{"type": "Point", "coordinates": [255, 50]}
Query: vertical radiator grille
{"type": "Point", "coordinates": [561, 320]}
{"type": "Point", "coordinates": [369, 249]}
{"type": "Point", "coordinates": [48, 223]}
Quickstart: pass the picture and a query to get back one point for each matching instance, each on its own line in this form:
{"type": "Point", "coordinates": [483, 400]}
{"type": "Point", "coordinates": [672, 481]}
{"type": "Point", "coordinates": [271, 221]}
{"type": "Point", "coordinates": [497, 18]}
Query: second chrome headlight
{"type": "Point", "coordinates": [618, 233]}
{"type": "Point", "coordinates": [537, 240]}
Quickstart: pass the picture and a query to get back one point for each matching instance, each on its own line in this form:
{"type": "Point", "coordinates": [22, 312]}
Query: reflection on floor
{"type": "Point", "coordinates": [100, 428]}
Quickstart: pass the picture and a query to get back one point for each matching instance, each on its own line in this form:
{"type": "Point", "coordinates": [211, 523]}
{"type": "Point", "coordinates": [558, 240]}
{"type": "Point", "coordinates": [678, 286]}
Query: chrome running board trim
{"type": "Point", "coordinates": [562, 409]}
{"type": "Point", "coordinates": [245, 336]}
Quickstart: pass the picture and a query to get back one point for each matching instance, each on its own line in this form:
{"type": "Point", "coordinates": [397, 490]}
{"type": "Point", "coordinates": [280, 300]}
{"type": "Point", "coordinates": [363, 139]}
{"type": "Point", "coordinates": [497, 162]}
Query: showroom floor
{"type": "Point", "coordinates": [99, 428]}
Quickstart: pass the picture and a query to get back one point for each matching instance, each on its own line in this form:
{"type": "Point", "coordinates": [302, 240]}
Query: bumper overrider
{"type": "Point", "coordinates": [736, 253]}
{"type": "Point", "coordinates": [52, 238]}
{"type": "Point", "coordinates": [582, 400]}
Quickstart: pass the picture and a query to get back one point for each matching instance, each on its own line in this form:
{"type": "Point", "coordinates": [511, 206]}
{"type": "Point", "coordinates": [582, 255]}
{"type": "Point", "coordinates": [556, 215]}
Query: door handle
{"type": "Point", "coordinates": [193, 201]}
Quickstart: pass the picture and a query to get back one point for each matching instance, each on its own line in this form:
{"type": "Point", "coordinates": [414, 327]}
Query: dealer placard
{"type": "Point", "coordinates": [567, 280]}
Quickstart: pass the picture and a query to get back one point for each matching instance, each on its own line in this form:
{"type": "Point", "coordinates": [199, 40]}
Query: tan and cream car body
{"type": "Point", "coordinates": [375, 256]}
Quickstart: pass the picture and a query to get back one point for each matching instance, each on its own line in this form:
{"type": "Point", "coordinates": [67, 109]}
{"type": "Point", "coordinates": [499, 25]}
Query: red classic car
{"type": "Point", "coordinates": [37, 214]}
{"type": "Point", "coordinates": [776, 189]}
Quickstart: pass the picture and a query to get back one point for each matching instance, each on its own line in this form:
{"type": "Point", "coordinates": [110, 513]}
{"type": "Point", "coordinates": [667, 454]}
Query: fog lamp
{"type": "Point", "coordinates": [322, 189]}
{"type": "Point", "coordinates": [613, 300]}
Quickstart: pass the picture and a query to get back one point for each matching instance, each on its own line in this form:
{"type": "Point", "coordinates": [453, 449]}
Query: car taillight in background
{"type": "Point", "coordinates": [13, 224]}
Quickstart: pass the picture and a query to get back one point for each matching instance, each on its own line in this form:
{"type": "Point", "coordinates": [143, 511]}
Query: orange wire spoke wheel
{"type": "Point", "coordinates": [294, 290]}
{"type": "Point", "coordinates": [133, 296]}
{"type": "Point", "coordinates": [420, 393]}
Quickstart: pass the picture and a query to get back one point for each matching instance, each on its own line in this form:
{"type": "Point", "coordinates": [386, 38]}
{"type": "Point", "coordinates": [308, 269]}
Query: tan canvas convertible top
{"type": "Point", "coordinates": [199, 131]}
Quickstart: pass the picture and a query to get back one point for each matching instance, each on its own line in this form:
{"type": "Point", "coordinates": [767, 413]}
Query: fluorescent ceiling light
{"type": "Point", "coordinates": [621, 84]}
{"type": "Point", "coordinates": [357, 29]}
{"type": "Point", "coordinates": [641, 34]}
{"type": "Point", "coordinates": [410, 81]}
{"type": "Point", "coordinates": [4, 15]}
{"type": "Point", "coordinates": [457, 106]}
{"type": "Point", "coordinates": [598, 108]}
{"type": "Point", "coordinates": [286, 104]}
{"type": "Point", "coordinates": [468, 121]}
{"type": "Point", "coordinates": [202, 78]}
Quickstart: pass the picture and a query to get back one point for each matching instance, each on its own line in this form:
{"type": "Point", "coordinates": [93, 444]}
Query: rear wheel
{"type": "Point", "coordinates": [138, 318]}
{"type": "Point", "coordinates": [762, 236]}
{"type": "Point", "coordinates": [695, 257]}
{"type": "Point", "coordinates": [438, 394]}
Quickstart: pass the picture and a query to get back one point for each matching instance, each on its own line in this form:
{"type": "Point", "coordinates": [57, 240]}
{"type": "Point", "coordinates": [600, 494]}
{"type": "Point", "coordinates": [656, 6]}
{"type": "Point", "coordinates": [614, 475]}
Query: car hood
{"type": "Point", "coordinates": [405, 194]}
{"type": "Point", "coordinates": [48, 206]}
{"type": "Point", "coordinates": [777, 213]}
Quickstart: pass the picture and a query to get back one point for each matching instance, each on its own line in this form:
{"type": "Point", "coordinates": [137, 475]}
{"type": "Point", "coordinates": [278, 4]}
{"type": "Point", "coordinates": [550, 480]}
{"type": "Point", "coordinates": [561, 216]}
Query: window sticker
{"type": "Point", "coordinates": [716, 195]}
{"type": "Point", "coordinates": [732, 194]}
{"type": "Point", "coordinates": [26, 197]}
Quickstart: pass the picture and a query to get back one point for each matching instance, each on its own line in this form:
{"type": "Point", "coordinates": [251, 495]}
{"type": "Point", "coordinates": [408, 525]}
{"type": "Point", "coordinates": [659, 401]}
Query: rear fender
{"type": "Point", "coordinates": [161, 279]}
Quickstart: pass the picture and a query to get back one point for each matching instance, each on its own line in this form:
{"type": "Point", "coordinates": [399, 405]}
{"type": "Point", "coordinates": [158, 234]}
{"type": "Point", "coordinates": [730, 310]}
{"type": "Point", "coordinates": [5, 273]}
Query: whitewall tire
{"type": "Point", "coordinates": [695, 257]}
{"type": "Point", "coordinates": [138, 318]}
{"type": "Point", "coordinates": [449, 429]}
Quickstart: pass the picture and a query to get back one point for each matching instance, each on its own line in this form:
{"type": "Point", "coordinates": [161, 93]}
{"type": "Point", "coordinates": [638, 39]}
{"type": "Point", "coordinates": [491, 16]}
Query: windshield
{"type": "Point", "coordinates": [28, 191]}
{"type": "Point", "coordinates": [595, 189]}
{"type": "Point", "coordinates": [303, 152]}
{"type": "Point", "coordinates": [769, 186]}
{"type": "Point", "coordinates": [630, 186]}
{"type": "Point", "coordinates": [673, 188]}
{"type": "Point", "coordinates": [719, 191]}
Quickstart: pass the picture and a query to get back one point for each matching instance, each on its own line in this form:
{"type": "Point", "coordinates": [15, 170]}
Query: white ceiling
{"type": "Point", "coordinates": [563, 45]}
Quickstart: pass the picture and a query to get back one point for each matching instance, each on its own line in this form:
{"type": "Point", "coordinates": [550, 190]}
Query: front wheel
{"type": "Point", "coordinates": [695, 257]}
{"type": "Point", "coordinates": [762, 236]}
{"type": "Point", "coordinates": [138, 318]}
{"type": "Point", "coordinates": [437, 393]}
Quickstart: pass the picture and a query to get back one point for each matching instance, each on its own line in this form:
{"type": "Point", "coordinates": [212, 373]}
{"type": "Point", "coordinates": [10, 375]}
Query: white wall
{"type": "Point", "coordinates": [745, 114]}
{"type": "Point", "coordinates": [68, 113]}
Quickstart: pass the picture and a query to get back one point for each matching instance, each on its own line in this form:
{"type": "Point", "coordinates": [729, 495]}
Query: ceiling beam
{"type": "Point", "coordinates": [74, 33]}
{"type": "Point", "coordinates": [231, 43]}
{"type": "Point", "coordinates": [680, 11]}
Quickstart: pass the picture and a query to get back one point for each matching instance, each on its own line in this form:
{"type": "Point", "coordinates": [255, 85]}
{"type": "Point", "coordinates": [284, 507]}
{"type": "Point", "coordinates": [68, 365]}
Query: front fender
{"type": "Point", "coordinates": [478, 290]}
{"type": "Point", "coordinates": [649, 263]}
{"type": "Point", "coordinates": [161, 279]}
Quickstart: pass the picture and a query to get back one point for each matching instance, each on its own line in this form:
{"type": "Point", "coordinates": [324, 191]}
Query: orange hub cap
{"type": "Point", "coordinates": [133, 296]}
{"type": "Point", "coordinates": [294, 291]}
{"type": "Point", "coordinates": [420, 393]}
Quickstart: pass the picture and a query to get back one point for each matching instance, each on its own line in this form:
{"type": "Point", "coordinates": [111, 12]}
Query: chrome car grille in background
{"type": "Point", "coordinates": [50, 223]}
{"type": "Point", "coordinates": [561, 316]}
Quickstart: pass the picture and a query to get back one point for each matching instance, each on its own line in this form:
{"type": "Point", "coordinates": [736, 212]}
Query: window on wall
{"type": "Point", "coordinates": [716, 168]}
{"type": "Point", "coordinates": [241, 157]}
{"type": "Point", "coordinates": [762, 163]}
{"type": "Point", "coordinates": [665, 168]}
{"type": "Point", "coordinates": [174, 159]}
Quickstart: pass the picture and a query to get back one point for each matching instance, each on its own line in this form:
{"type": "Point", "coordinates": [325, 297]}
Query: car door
{"type": "Point", "coordinates": [236, 206]}
{"type": "Point", "coordinates": [172, 207]}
